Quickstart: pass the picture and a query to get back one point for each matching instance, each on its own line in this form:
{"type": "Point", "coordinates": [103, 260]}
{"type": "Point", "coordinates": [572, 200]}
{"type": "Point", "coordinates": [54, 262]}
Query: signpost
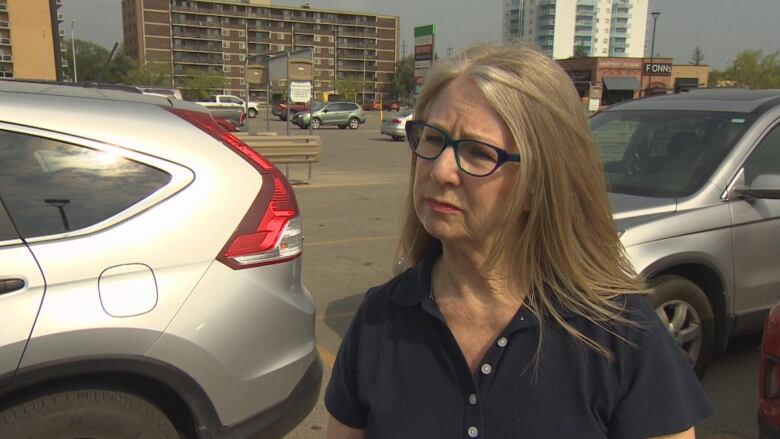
{"type": "Point", "coordinates": [424, 38]}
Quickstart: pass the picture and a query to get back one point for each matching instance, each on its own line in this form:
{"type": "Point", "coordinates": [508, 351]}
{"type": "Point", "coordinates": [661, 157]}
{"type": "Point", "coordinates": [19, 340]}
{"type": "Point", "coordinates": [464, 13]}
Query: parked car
{"type": "Point", "coordinates": [232, 102]}
{"type": "Point", "coordinates": [769, 378]}
{"type": "Point", "coordinates": [392, 106]}
{"type": "Point", "coordinates": [372, 105]}
{"type": "Point", "coordinates": [280, 108]}
{"type": "Point", "coordinates": [342, 114]}
{"type": "Point", "coordinates": [694, 180]}
{"type": "Point", "coordinates": [394, 125]}
{"type": "Point", "coordinates": [149, 273]}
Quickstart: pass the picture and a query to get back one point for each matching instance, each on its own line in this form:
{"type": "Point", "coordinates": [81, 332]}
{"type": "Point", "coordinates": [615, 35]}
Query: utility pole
{"type": "Point", "coordinates": [73, 48]}
{"type": "Point", "coordinates": [246, 69]}
{"type": "Point", "coordinates": [403, 50]}
{"type": "Point", "coordinates": [335, 58]}
{"type": "Point", "coordinates": [652, 49]}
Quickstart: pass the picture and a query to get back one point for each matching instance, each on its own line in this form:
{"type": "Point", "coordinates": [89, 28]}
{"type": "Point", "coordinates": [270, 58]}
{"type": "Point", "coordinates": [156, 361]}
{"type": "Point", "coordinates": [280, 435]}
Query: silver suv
{"type": "Point", "coordinates": [695, 185]}
{"type": "Point", "coordinates": [150, 273]}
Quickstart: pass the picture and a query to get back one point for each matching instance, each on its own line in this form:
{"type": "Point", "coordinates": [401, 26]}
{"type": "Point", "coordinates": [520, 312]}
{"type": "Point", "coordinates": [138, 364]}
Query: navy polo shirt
{"type": "Point", "coordinates": [400, 374]}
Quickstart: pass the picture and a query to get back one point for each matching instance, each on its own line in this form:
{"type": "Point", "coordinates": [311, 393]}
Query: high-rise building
{"type": "Point", "coordinates": [30, 39]}
{"type": "Point", "coordinates": [219, 35]}
{"type": "Point", "coordinates": [566, 28]}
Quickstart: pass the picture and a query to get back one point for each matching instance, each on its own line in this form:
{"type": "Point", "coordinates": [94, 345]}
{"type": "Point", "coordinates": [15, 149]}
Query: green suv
{"type": "Point", "coordinates": [342, 114]}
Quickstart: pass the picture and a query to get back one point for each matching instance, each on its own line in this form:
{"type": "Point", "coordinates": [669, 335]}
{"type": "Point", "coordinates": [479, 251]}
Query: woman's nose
{"type": "Point", "coordinates": [445, 167]}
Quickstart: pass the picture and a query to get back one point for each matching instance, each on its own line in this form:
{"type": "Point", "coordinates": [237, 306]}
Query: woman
{"type": "Point", "coordinates": [519, 316]}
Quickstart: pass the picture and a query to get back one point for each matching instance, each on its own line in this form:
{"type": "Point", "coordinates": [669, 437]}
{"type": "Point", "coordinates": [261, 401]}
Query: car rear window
{"type": "Point", "coordinates": [664, 153]}
{"type": "Point", "coordinates": [51, 187]}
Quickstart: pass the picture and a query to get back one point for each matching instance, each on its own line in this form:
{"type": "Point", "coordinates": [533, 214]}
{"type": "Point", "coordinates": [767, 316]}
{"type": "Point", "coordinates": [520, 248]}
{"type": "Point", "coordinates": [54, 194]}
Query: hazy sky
{"type": "Point", "coordinates": [722, 28]}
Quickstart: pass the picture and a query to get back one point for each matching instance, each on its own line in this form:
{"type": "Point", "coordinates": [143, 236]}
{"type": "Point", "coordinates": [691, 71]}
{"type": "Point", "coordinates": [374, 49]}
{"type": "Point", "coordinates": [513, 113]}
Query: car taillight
{"type": "Point", "coordinates": [243, 118]}
{"type": "Point", "coordinates": [271, 231]}
{"type": "Point", "coordinates": [396, 121]}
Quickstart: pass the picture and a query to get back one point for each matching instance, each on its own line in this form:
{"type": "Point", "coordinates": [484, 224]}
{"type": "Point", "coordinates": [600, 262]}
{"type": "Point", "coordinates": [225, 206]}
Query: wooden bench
{"type": "Point", "coordinates": [285, 149]}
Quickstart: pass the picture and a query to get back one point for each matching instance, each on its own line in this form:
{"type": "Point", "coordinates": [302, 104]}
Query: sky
{"type": "Point", "coordinates": [721, 28]}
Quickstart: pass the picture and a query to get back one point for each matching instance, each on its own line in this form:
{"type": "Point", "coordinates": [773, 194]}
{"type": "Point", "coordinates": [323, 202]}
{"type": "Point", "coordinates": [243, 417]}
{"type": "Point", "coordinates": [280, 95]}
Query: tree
{"type": "Point", "coordinates": [752, 69]}
{"type": "Point", "coordinates": [697, 56]}
{"type": "Point", "coordinates": [352, 87]}
{"type": "Point", "coordinates": [403, 82]}
{"type": "Point", "coordinates": [90, 60]}
{"type": "Point", "coordinates": [198, 84]}
{"type": "Point", "coordinates": [580, 52]}
{"type": "Point", "coordinates": [150, 74]}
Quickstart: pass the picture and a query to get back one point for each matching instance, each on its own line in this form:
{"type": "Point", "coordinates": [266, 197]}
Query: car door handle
{"type": "Point", "coordinates": [11, 285]}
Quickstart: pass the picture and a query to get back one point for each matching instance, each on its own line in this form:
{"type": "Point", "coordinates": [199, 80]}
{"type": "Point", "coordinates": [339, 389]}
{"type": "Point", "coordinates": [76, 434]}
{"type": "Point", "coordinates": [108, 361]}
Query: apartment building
{"type": "Point", "coordinates": [30, 39]}
{"type": "Point", "coordinates": [563, 28]}
{"type": "Point", "coordinates": [209, 35]}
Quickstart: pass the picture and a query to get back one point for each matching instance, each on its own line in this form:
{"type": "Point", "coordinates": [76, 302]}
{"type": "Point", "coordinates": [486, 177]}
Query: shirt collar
{"type": "Point", "coordinates": [415, 286]}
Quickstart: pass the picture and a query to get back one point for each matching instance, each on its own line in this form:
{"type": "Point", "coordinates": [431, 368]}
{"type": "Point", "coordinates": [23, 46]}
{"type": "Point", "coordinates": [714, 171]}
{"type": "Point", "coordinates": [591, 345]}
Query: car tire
{"type": "Point", "coordinates": [686, 312]}
{"type": "Point", "coordinates": [315, 123]}
{"type": "Point", "coordinates": [343, 126]}
{"type": "Point", "coordinates": [252, 113]}
{"type": "Point", "coordinates": [86, 413]}
{"type": "Point", "coordinates": [354, 123]}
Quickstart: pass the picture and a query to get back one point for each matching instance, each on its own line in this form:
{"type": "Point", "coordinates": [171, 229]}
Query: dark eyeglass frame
{"type": "Point", "coordinates": [503, 156]}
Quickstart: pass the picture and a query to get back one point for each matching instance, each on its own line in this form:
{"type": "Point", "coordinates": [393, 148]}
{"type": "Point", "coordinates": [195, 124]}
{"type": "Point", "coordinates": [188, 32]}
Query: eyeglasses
{"type": "Point", "coordinates": [473, 157]}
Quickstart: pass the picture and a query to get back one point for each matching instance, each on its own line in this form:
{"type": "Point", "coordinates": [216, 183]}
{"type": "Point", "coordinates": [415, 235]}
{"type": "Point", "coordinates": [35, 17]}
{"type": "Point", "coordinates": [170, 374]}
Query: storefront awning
{"type": "Point", "coordinates": [615, 83]}
{"type": "Point", "coordinates": [686, 82]}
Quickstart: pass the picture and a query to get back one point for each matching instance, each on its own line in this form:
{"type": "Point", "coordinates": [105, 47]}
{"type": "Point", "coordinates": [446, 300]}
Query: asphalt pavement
{"type": "Point", "coordinates": [351, 214]}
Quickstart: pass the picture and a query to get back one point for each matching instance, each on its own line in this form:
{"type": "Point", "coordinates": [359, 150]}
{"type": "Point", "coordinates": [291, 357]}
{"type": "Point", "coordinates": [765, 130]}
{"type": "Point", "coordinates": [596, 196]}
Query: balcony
{"type": "Point", "coordinates": [202, 34]}
{"type": "Point", "coordinates": [189, 58]}
{"type": "Point", "coordinates": [357, 44]}
{"type": "Point", "coordinates": [60, 17]}
{"type": "Point", "coordinates": [195, 22]}
{"type": "Point", "coordinates": [547, 22]}
{"type": "Point", "coordinates": [583, 33]}
{"type": "Point", "coordinates": [62, 33]}
{"type": "Point", "coordinates": [3, 8]}
{"type": "Point", "coordinates": [304, 29]}
{"type": "Point", "coordinates": [4, 25]}
{"type": "Point", "coordinates": [5, 41]}
{"type": "Point", "coordinates": [192, 46]}
{"type": "Point", "coordinates": [58, 3]}
{"type": "Point", "coordinates": [355, 54]}
{"type": "Point", "coordinates": [545, 33]}
{"type": "Point", "coordinates": [356, 66]}
{"type": "Point", "coordinates": [6, 58]}
{"type": "Point", "coordinates": [304, 40]}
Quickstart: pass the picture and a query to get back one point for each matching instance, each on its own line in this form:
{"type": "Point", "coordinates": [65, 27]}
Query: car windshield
{"type": "Point", "coordinates": [318, 106]}
{"type": "Point", "coordinates": [664, 153]}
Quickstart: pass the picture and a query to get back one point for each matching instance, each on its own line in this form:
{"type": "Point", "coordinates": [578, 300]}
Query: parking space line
{"type": "Point", "coordinates": [328, 358]}
{"type": "Point", "coordinates": [345, 241]}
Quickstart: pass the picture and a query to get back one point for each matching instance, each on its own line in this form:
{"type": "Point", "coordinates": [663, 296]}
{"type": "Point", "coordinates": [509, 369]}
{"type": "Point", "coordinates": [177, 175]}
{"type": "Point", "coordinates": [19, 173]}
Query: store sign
{"type": "Point", "coordinates": [423, 52]}
{"type": "Point", "coordinates": [658, 69]}
{"type": "Point", "coordinates": [300, 91]}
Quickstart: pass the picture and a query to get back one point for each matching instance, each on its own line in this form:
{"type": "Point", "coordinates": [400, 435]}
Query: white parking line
{"type": "Point", "coordinates": [345, 241]}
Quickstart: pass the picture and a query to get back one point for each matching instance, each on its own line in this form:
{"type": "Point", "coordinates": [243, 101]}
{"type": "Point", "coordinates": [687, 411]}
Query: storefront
{"type": "Point", "coordinates": [688, 77]}
{"type": "Point", "coordinates": [607, 81]}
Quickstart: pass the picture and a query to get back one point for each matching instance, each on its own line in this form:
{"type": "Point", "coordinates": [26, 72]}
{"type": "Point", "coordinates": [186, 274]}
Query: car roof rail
{"type": "Point", "coordinates": [771, 103]}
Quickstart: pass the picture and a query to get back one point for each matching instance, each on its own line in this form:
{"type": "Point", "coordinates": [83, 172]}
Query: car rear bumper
{"type": "Point", "coordinates": [280, 419]}
{"type": "Point", "coordinates": [392, 130]}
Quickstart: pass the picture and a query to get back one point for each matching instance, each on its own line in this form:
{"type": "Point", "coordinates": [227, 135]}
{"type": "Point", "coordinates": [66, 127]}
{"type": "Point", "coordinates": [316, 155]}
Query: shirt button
{"type": "Point", "coordinates": [502, 342]}
{"type": "Point", "coordinates": [486, 369]}
{"type": "Point", "coordinates": [473, 432]}
{"type": "Point", "coordinates": [473, 399]}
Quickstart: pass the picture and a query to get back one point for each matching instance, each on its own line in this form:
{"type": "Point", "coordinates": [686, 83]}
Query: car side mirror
{"type": "Point", "coordinates": [324, 110]}
{"type": "Point", "coordinates": [763, 186]}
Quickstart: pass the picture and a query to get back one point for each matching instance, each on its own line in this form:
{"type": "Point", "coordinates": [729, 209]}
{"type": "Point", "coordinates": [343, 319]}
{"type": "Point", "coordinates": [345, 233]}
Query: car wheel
{"type": "Point", "coordinates": [252, 112]}
{"type": "Point", "coordinates": [343, 126]}
{"type": "Point", "coordinates": [354, 123]}
{"type": "Point", "coordinates": [86, 413]}
{"type": "Point", "coordinates": [686, 312]}
{"type": "Point", "coordinates": [315, 124]}
{"type": "Point", "coordinates": [282, 118]}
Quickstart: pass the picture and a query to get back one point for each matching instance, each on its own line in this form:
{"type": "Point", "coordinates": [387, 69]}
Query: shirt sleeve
{"type": "Point", "coordinates": [660, 394]}
{"type": "Point", "coordinates": [342, 398]}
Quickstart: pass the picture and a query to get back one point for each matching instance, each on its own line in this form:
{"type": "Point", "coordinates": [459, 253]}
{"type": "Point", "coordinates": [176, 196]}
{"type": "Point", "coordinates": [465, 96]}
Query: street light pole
{"type": "Point", "coordinates": [652, 51]}
{"type": "Point", "coordinates": [73, 48]}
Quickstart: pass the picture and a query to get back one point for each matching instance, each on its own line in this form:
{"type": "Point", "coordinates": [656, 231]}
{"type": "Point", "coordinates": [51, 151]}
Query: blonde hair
{"type": "Point", "coordinates": [558, 233]}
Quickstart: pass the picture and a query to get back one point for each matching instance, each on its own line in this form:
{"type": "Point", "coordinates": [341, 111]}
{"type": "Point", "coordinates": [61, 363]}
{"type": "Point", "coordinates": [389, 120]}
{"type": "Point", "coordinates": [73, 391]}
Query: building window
{"type": "Point", "coordinates": [242, 58]}
{"type": "Point", "coordinates": [316, 38]}
{"type": "Point", "coordinates": [226, 57]}
{"type": "Point", "coordinates": [241, 33]}
{"type": "Point", "coordinates": [226, 69]}
{"type": "Point", "coordinates": [225, 32]}
{"type": "Point", "coordinates": [226, 44]}
{"type": "Point", "coordinates": [318, 61]}
{"type": "Point", "coordinates": [280, 36]}
{"type": "Point", "coordinates": [242, 46]}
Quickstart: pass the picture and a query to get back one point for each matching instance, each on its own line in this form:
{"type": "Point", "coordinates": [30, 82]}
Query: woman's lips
{"type": "Point", "coordinates": [438, 206]}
